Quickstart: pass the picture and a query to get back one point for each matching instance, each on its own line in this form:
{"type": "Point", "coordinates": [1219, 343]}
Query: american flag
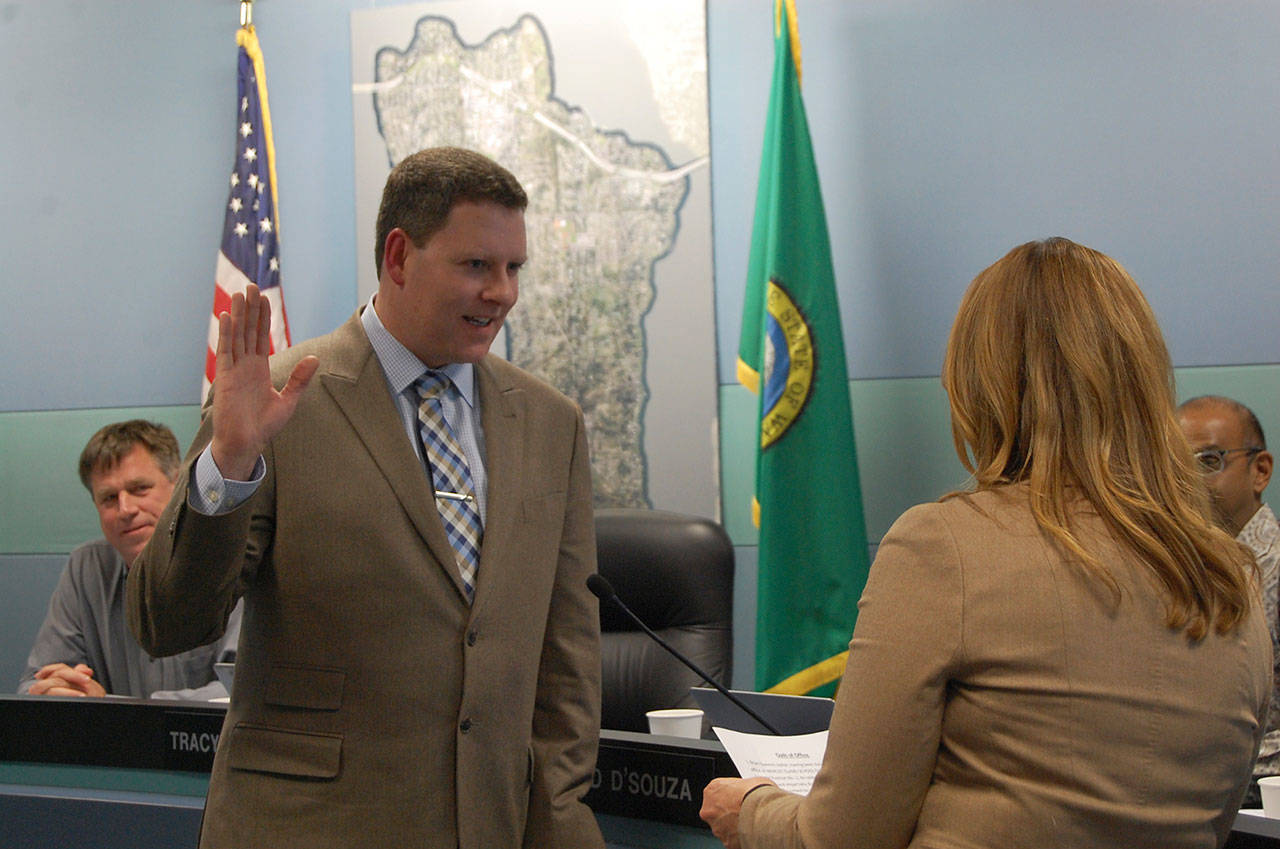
{"type": "Point", "coordinates": [250, 233]}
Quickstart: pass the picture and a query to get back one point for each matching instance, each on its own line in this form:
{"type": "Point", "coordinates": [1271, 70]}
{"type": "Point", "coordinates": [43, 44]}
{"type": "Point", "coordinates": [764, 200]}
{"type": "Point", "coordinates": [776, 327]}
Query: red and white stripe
{"type": "Point", "coordinates": [228, 281]}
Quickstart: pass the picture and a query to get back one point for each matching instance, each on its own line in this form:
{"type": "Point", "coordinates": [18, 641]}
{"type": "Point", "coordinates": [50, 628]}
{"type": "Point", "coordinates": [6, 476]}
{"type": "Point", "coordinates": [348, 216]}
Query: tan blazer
{"type": "Point", "coordinates": [996, 696]}
{"type": "Point", "coordinates": [372, 706]}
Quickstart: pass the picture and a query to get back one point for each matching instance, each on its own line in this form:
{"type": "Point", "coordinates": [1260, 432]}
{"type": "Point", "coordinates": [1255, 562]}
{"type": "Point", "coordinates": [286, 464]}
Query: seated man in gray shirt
{"type": "Point", "coordinates": [84, 647]}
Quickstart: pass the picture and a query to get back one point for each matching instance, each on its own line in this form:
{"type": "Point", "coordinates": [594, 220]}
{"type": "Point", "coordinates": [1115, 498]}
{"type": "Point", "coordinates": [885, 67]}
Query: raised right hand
{"type": "Point", "coordinates": [247, 409]}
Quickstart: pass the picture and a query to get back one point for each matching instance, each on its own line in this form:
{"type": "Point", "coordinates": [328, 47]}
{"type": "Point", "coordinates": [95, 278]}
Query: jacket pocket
{"type": "Point", "coordinates": [304, 754]}
{"type": "Point", "coordinates": [310, 687]}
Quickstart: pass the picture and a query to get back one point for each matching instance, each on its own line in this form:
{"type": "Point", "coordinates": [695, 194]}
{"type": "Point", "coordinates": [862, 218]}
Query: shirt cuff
{"type": "Point", "coordinates": [213, 495]}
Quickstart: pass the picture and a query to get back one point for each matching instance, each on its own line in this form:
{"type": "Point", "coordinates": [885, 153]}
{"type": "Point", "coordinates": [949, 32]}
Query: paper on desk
{"type": "Point", "coordinates": [792, 762]}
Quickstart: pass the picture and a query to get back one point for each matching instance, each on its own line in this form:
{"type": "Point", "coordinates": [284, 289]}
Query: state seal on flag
{"type": "Point", "coordinates": [789, 364]}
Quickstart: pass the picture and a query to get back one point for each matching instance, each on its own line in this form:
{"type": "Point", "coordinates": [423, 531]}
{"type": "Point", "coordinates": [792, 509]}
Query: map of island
{"type": "Point", "coordinates": [603, 209]}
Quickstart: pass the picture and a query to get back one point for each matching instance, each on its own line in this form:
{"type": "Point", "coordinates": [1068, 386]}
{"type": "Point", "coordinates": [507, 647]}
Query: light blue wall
{"type": "Point", "coordinates": [946, 131]}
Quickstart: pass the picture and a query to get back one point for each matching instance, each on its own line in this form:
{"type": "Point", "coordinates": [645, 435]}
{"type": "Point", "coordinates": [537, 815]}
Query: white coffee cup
{"type": "Point", "coordinates": [1270, 787]}
{"type": "Point", "coordinates": [676, 722]}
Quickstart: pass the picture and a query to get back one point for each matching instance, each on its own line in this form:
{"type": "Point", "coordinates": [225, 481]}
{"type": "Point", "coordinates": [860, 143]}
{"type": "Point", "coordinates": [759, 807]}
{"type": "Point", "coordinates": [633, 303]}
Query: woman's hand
{"type": "Point", "coordinates": [721, 802]}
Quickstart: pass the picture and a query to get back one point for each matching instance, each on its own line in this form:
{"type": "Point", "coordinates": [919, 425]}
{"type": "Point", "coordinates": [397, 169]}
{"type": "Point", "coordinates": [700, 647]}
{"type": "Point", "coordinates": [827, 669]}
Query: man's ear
{"type": "Point", "coordinates": [1261, 472]}
{"type": "Point", "coordinates": [394, 252]}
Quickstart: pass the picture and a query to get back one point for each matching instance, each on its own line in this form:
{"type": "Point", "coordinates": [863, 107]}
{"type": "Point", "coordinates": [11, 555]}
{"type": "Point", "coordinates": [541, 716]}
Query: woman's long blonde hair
{"type": "Point", "coordinates": [1058, 376]}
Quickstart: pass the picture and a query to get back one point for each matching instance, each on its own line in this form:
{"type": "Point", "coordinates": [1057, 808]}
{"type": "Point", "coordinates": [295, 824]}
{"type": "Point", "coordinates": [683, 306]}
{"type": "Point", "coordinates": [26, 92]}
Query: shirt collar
{"type": "Point", "coordinates": [402, 368]}
{"type": "Point", "coordinates": [1258, 524]}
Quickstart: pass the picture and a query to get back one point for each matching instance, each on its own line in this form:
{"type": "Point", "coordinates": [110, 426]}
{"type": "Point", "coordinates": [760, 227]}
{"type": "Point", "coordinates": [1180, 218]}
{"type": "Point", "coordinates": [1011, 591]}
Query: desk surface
{"type": "Point", "coordinates": [166, 747]}
{"type": "Point", "coordinates": [1255, 822]}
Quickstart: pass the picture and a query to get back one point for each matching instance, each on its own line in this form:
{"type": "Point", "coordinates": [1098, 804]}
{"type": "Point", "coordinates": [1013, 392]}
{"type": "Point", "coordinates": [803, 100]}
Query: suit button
{"type": "Point", "coordinates": [465, 726]}
{"type": "Point", "coordinates": [471, 638]}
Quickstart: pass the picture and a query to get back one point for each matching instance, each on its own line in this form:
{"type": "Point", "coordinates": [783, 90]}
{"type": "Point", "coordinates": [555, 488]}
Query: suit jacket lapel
{"type": "Point", "coordinates": [353, 377]}
{"type": "Point", "coordinates": [502, 417]}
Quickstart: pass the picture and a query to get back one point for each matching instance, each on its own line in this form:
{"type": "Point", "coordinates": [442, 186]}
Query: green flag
{"type": "Point", "coordinates": [813, 539]}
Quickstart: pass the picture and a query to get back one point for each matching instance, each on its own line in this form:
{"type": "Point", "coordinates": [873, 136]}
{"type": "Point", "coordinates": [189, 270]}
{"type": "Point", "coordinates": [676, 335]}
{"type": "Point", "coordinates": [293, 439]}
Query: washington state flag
{"type": "Point", "coordinates": [813, 539]}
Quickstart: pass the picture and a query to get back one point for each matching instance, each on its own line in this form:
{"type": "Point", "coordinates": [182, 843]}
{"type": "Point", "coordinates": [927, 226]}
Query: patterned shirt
{"type": "Point", "coordinates": [1262, 535]}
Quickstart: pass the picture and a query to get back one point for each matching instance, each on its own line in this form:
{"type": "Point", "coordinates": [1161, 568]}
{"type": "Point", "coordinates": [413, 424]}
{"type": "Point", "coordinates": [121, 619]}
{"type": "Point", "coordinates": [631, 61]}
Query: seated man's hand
{"type": "Point", "coordinates": [58, 679]}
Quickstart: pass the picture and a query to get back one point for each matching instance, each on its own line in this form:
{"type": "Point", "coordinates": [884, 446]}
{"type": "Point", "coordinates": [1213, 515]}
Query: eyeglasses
{"type": "Point", "coordinates": [1214, 460]}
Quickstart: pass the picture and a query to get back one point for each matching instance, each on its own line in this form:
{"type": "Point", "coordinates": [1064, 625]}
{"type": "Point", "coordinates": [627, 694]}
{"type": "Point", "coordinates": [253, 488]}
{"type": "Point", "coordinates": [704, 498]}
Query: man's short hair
{"type": "Point", "coordinates": [1253, 435]}
{"type": "Point", "coordinates": [110, 445]}
{"type": "Point", "coordinates": [422, 190]}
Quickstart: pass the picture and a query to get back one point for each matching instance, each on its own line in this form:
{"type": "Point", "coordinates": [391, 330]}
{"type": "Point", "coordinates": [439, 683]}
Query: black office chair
{"type": "Point", "coordinates": [676, 573]}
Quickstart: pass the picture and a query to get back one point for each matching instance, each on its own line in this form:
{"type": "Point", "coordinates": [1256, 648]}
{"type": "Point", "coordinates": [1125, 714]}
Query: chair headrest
{"type": "Point", "coordinates": [672, 569]}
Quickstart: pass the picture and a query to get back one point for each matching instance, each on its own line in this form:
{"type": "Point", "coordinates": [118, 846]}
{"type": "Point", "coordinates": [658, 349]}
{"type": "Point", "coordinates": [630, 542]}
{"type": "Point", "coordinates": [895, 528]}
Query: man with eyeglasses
{"type": "Point", "coordinates": [1232, 453]}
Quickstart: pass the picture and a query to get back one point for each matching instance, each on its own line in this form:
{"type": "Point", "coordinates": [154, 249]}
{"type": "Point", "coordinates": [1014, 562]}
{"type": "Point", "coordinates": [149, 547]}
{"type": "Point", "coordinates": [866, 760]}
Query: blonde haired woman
{"type": "Point", "coordinates": [1068, 656]}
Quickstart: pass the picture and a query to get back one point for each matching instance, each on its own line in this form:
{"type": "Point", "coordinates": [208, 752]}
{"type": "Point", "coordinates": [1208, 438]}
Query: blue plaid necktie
{"type": "Point", "coordinates": [451, 476]}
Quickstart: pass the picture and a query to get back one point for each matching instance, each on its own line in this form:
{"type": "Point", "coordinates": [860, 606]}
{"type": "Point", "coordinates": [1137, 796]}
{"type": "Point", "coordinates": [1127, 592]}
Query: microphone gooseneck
{"type": "Point", "coordinates": [603, 590]}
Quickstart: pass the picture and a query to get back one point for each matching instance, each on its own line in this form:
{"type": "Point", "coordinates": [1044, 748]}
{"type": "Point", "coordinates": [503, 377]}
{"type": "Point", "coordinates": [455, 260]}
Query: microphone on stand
{"type": "Point", "coordinates": [603, 590]}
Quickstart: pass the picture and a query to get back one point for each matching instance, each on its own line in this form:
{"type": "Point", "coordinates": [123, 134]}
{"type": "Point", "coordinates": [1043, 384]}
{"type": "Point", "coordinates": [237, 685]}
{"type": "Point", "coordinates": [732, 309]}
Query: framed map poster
{"type": "Point", "coordinates": [601, 111]}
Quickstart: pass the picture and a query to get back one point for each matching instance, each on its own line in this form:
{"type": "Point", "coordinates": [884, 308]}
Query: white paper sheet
{"type": "Point", "coordinates": [792, 762]}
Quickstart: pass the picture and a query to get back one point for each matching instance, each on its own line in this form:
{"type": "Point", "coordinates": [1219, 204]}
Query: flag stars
{"type": "Point", "coordinates": [250, 240]}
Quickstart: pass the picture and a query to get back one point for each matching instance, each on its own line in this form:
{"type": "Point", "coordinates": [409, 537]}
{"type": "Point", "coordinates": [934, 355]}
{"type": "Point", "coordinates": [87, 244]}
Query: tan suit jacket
{"type": "Point", "coordinates": [997, 696]}
{"type": "Point", "coordinates": [372, 706]}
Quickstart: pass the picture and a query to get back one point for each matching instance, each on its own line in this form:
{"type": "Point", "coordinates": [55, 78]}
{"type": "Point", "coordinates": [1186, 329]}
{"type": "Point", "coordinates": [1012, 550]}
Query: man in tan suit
{"type": "Point", "coordinates": [389, 689]}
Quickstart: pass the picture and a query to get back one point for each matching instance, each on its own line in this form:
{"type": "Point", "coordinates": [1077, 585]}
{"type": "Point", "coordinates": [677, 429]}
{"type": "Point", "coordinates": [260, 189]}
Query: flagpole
{"type": "Point", "coordinates": [249, 250]}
